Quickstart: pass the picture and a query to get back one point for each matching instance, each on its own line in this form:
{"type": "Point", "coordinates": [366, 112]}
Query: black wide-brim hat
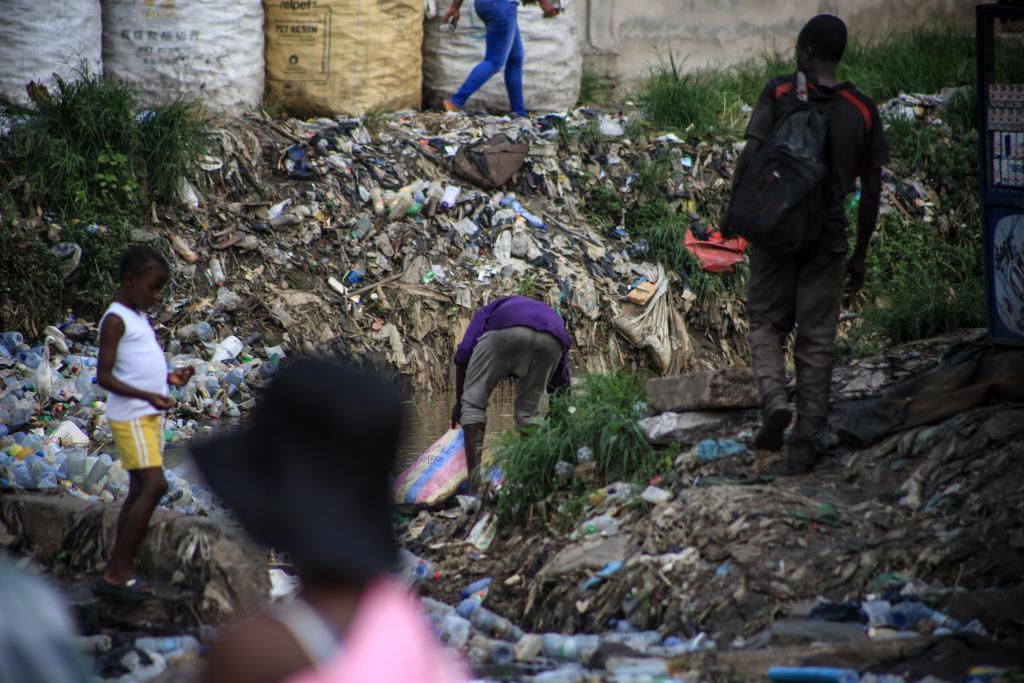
{"type": "Point", "coordinates": [309, 472]}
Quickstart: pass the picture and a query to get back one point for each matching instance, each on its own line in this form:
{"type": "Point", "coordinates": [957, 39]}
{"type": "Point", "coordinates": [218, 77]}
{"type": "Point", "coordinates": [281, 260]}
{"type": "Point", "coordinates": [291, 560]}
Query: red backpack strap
{"type": "Point", "coordinates": [788, 86]}
{"type": "Point", "coordinates": [861, 107]}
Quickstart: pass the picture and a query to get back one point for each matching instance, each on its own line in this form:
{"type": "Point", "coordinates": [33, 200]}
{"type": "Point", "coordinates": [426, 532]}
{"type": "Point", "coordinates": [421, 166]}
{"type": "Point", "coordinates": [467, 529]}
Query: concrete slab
{"type": "Point", "coordinates": [210, 568]}
{"type": "Point", "coordinates": [723, 389]}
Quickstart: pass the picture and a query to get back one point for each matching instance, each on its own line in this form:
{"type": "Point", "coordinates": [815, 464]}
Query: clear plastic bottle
{"type": "Point", "coordinates": [217, 275]}
{"type": "Point", "coordinates": [907, 615]}
{"type": "Point", "coordinates": [493, 651]}
{"type": "Point", "coordinates": [169, 644]}
{"type": "Point", "coordinates": [486, 621]}
{"type": "Point", "coordinates": [205, 332]}
{"type": "Point", "coordinates": [401, 205]}
{"type": "Point", "coordinates": [510, 202]}
{"type": "Point", "coordinates": [377, 197]}
{"type": "Point", "coordinates": [22, 477]}
{"type": "Point", "coordinates": [97, 472]}
{"type": "Point", "coordinates": [85, 380]}
{"type": "Point", "coordinates": [12, 340]}
{"type": "Point", "coordinates": [602, 524]}
{"type": "Point", "coordinates": [413, 569]}
{"type": "Point", "coordinates": [451, 196]}
{"type": "Point", "coordinates": [235, 376]}
{"type": "Point", "coordinates": [453, 630]}
{"type": "Point", "coordinates": [73, 467]}
{"type": "Point", "coordinates": [33, 442]}
{"type": "Point", "coordinates": [30, 359]}
{"type": "Point", "coordinates": [576, 648]}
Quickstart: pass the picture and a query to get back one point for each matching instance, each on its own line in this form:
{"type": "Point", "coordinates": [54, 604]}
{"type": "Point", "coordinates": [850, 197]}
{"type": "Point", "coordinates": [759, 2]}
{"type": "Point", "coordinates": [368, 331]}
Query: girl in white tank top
{"type": "Point", "coordinates": [133, 369]}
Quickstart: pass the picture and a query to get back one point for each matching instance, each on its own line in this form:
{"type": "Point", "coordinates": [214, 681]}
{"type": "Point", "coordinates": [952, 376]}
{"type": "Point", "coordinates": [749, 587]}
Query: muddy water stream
{"type": "Point", "coordinates": [428, 418]}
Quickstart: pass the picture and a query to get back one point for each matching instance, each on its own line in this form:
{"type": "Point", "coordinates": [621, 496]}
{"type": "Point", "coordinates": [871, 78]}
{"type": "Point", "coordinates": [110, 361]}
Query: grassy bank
{"type": "Point", "coordinates": [84, 162]}
{"type": "Point", "coordinates": [922, 59]}
{"type": "Point", "coordinates": [925, 277]}
{"type": "Point", "coordinates": [601, 414]}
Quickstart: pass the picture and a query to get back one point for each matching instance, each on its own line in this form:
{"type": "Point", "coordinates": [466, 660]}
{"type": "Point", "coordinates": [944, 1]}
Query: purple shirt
{"type": "Point", "coordinates": [518, 311]}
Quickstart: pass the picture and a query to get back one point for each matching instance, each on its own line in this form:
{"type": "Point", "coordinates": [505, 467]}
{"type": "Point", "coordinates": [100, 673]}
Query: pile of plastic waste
{"type": "Point", "coordinates": [53, 430]}
{"type": "Point", "coordinates": [488, 639]}
{"type": "Point", "coordinates": [359, 236]}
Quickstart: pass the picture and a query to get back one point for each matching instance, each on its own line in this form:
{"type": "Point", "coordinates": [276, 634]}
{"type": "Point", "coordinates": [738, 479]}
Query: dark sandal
{"type": "Point", "coordinates": [132, 590]}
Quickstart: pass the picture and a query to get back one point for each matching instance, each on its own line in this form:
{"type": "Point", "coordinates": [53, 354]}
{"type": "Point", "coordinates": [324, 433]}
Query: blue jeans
{"type": "Point", "coordinates": [504, 51]}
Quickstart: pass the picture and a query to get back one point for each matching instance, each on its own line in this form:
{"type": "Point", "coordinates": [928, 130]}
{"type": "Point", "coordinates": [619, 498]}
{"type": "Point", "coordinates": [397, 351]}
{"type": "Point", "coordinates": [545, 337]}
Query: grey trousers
{"type": "Point", "coordinates": [804, 291]}
{"type": "Point", "coordinates": [520, 352]}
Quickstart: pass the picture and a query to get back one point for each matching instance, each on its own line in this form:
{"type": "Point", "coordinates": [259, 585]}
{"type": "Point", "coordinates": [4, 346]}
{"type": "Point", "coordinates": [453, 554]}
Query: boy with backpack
{"type": "Point", "coordinates": [809, 139]}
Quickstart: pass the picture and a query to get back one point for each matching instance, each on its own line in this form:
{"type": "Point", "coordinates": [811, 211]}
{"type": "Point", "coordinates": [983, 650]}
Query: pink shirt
{"type": "Point", "coordinates": [389, 640]}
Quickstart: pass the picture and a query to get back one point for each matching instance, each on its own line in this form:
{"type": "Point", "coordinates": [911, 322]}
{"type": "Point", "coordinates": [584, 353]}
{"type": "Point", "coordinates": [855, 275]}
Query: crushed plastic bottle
{"type": "Point", "coordinates": [510, 202]}
{"type": "Point", "coordinates": [205, 332]}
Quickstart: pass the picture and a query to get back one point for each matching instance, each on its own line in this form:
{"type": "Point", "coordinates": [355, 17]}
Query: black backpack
{"type": "Point", "coordinates": [780, 202]}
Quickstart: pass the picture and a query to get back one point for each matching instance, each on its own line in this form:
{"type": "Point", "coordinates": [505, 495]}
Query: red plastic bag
{"type": "Point", "coordinates": [717, 254]}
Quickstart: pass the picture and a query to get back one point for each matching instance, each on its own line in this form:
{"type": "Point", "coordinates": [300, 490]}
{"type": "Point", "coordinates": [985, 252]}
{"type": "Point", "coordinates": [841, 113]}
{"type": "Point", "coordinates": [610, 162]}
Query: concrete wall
{"type": "Point", "coordinates": [620, 38]}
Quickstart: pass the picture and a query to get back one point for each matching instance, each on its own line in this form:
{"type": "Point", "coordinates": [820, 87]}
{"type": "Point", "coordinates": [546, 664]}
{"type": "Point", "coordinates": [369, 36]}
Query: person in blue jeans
{"type": "Point", "coordinates": [504, 50]}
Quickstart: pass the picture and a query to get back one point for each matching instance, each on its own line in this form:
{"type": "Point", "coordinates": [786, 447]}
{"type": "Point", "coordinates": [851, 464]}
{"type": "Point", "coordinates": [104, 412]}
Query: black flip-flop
{"type": "Point", "coordinates": [132, 590]}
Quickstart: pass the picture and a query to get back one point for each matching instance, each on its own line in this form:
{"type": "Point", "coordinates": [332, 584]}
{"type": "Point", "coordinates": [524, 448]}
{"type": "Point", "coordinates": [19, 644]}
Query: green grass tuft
{"type": "Point", "coordinates": [86, 154]}
{"type": "Point", "coordinates": [601, 414]}
{"type": "Point", "coordinates": [674, 98]}
{"type": "Point", "coordinates": [604, 204]}
{"type": "Point", "coordinates": [529, 286]}
{"type": "Point", "coordinates": [171, 139]}
{"type": "Point", "coordinates": [374, 120]}
{"type": "Point", "coordinates": [921, 59]}
{"type": "Point", "coordinates": [918, 285]}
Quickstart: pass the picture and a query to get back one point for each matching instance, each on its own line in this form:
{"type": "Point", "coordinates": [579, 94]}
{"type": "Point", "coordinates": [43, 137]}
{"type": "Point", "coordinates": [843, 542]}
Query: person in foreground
{"type": "Point", "coordinates": [805, 290]}
{"type": "Point", "coordinates": [133, 369]}
{"type": "Point", "coordinates": [38, 643]}
{"type": "Point", "coordinates": [513, 336]}
{"type": "Point", "coordinates": [504, 50]}
{"type": "Point", "coordinates": [309, 475]}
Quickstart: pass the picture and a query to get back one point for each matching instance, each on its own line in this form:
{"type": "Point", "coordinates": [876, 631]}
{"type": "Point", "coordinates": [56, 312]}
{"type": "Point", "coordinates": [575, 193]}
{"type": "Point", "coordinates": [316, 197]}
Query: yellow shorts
{"type": "Point", "coordinates": [140, 441]}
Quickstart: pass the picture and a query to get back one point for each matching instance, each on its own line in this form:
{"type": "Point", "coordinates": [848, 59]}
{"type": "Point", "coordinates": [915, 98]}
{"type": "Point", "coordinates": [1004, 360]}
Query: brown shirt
{"type": "Point", "coordinates": [856, 141]}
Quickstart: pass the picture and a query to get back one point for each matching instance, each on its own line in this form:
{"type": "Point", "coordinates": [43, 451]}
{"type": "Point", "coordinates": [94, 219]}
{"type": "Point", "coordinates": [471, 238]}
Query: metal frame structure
{"type": "Point", "coordinates": [1001, 156]}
